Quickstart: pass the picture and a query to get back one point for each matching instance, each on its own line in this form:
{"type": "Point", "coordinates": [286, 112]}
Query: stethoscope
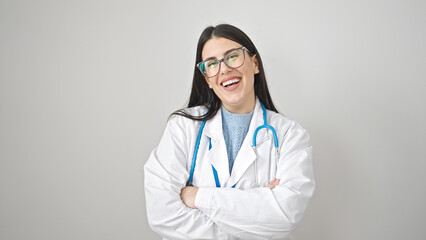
{"type": "Point", "coordinates": [216, 177]}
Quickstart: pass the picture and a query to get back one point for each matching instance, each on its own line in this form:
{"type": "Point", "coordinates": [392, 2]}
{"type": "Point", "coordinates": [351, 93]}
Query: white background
{"type": "Point", "coordinates": [86, 88]}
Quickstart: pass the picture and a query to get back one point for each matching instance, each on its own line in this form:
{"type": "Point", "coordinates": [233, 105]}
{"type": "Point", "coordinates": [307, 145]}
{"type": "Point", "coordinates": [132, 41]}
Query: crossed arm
{"type": "Point", "coordinates": [272, 212]}
{"type": "Point", "coordinates": [188, 194]}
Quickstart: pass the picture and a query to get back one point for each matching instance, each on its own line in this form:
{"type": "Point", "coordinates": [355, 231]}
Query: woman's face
{"type": "Point", "coordinates": [238, 97]}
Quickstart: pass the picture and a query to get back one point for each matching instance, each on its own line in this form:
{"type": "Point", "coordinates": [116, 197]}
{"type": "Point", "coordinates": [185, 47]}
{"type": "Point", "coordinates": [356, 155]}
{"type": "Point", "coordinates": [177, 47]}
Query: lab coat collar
{"type": "Point", "coordinates": [246, 156]}
{"type": "Point", "coordinates": [213, 128]}
{"type": "Point", "coordinates": [217, 155]}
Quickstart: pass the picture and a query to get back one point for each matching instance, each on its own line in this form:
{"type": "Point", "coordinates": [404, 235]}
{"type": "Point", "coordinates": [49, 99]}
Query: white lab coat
{"type": "Point", "coordinates": [243, 212]}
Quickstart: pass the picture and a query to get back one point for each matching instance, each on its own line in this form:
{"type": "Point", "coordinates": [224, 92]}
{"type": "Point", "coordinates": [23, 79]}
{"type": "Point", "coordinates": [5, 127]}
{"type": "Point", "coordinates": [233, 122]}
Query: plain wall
{"type": "Point", "coordinates": [86, 88]}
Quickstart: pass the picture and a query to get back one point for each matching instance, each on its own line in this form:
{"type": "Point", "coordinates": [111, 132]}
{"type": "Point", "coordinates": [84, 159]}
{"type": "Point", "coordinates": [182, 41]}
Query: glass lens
{"type": "Point", "coordinates": [235, 58]}
{"type": "Point", "coordinates": [211, 67]}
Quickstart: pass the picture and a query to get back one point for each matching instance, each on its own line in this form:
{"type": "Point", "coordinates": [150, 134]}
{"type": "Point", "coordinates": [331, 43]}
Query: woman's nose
{"type": "Point", "coordinates": [224, 68]}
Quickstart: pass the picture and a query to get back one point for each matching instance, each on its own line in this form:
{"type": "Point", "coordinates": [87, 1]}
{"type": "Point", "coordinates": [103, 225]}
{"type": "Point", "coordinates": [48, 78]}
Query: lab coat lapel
{"type": "Point", "coordinates": [217, 156]}
{"type": "Point", "coordinates": [247, 155]}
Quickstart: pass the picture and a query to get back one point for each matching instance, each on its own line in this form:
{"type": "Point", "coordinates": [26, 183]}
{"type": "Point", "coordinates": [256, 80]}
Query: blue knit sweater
{"type": "Point", "coordinates": [235, 128]}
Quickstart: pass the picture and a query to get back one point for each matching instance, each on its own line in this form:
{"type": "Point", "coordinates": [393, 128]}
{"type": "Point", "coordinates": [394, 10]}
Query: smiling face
{"type": "Point", "coordinates": [234, 87]}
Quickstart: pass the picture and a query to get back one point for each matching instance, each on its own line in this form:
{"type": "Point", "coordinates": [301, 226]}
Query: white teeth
{"type": "Point", "coordinates": [230, 82]}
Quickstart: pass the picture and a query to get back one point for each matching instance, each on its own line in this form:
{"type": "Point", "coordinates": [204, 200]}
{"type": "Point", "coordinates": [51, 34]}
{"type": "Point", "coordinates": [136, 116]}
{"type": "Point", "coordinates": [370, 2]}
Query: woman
{"type": "Point", "coordinates": [205, 180]}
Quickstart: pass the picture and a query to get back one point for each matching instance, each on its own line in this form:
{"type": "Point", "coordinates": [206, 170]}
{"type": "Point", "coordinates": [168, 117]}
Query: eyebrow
{"type": "Point", "coordinates": [224, 54]}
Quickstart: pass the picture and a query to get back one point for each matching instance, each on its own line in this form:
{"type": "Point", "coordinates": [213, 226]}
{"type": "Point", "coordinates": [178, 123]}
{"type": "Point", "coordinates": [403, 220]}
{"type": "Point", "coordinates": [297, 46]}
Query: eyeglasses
{"type": "Point", "coordinates": [234, 58]}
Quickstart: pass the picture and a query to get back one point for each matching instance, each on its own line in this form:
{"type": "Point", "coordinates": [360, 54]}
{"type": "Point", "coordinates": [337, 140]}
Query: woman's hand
{"type": "Point", "coordinates": [188, 195]}
{"type": "Point", "coordinates": [275, 182]}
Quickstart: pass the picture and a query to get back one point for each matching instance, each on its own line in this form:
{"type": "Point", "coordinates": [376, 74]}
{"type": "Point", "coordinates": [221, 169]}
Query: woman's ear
{"type": "Point", "coordinates": [256, 64]}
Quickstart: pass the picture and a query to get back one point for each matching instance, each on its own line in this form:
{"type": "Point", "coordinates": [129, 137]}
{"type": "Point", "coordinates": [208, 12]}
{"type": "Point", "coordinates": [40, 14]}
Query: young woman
{"type": "Point", "coordinates": [229, 166]}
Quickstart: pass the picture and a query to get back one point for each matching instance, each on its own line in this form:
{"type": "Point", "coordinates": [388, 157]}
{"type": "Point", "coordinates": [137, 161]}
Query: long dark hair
{"type": "Point", "coordinates": [202, 95]}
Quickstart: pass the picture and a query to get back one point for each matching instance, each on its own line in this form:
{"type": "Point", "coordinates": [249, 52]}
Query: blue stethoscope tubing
{"type": "Point", "coordinates": [216, 178]}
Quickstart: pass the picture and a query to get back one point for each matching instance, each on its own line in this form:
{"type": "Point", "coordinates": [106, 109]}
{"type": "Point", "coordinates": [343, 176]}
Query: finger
{"type": "Point", "coordinates": [274, 182]}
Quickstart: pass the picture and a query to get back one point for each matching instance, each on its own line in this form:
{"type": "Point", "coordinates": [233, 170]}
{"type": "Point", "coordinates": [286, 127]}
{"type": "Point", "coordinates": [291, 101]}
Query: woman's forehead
{"type": "Point", "coordinates": [217, 46]}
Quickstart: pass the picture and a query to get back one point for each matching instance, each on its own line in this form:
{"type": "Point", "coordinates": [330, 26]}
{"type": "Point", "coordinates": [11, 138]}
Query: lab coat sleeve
{"type": "Point", "coordinates": [165, 176]}
{"type": "Point", "coordinates": [261, 213]}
